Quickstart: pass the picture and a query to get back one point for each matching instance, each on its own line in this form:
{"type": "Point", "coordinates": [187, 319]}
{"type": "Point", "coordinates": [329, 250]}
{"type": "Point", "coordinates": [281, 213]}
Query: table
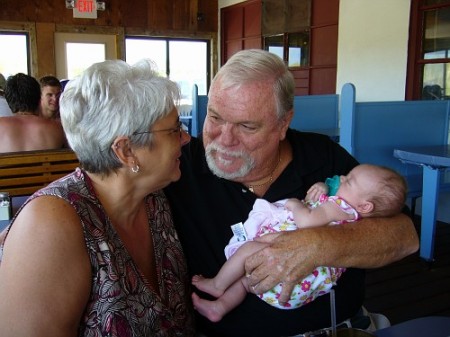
{"type": "Point", "coordinates": [433, 326]}
{"type": "Point", "coordinates": [433, 159]}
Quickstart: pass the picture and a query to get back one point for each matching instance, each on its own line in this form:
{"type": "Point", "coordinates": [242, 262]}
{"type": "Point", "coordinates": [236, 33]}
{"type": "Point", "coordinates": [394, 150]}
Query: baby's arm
{"type": "Point", "coordinates": [315, 191]}
{"type": "Point", "coordinates": [319, 216]}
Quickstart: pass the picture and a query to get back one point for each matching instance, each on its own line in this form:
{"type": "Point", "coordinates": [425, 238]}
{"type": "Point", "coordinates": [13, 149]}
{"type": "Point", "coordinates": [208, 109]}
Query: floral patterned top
{"type": "Point", "coordinates": [121, 302]}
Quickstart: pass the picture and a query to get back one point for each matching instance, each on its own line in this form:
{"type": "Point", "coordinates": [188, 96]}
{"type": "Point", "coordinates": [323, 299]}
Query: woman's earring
{"type": "Point", "coordinates": [135, 168]}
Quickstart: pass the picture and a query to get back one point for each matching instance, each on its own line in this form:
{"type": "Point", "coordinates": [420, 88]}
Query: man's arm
{"type": "Point", "coordinates": [368, 243]}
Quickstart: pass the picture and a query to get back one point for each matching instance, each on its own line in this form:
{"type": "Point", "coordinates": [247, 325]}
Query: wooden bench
{"type": "Point", "coordinates": [23, 173]}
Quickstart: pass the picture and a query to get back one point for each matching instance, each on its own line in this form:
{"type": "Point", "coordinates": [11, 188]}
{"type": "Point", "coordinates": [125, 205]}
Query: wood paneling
{"type": "Point", "coordinates": [233, 23]}
{"type": "Point", "coordinates": [322, 81]}
{"type": "Point", "coordinates": [231, 47]}
{"type": "Point", "coordinates": [134, 18]}
{"type": "Point", "coordinates": [324, 46]}
{"type": "Point", "coordinates": [252, 43]}
{"type": "Point", "coordinates": [46, 44]}
{"type": "Point", "coordinates": [177, 18]}
{"type": "Point", "coordinates": [210, 11]}
{"type": "Point", "coordinates": [241, 28]}
{"type": "Point", "coordinates": [160, 15]}
{"type": "Point", "coordinates": [244, 24]}
{"type": "Point", "coordinates": [154, 14]}
{"type": "Point", "coordinates": [252, 20]}
{"type": "Point", "coordinates": [326, 12]}
{"type": "Point", "coordinates": [301, 77]}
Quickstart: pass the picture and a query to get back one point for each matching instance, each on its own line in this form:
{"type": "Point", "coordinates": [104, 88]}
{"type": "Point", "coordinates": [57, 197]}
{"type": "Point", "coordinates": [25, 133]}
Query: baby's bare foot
{"type": "Point", "coordinates": [210, 309]}
{"type": "Point", "coordinates": [206, 285]}
{"type": "Point", "coordinates": [197, 278]}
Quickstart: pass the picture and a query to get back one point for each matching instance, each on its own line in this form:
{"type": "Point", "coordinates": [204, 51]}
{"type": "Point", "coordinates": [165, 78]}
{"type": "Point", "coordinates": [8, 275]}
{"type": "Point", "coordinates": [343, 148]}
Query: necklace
{"type": "Point", "coordinates": [251, 188]}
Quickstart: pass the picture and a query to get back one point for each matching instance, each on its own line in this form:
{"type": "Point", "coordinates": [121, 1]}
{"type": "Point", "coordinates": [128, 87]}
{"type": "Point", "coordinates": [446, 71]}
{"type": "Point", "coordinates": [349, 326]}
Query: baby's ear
{"type": "Point", "coordinates": [365, 207]}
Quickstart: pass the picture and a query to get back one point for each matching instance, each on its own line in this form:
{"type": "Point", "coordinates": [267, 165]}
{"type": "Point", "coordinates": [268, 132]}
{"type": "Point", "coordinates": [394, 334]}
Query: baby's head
{"type": "Point", "coordinates": [373, 190]}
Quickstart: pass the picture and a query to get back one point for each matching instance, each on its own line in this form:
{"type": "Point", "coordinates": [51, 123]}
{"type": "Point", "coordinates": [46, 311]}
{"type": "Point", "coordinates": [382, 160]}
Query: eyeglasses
{"type": "Point", "coordinates": [177, 129]}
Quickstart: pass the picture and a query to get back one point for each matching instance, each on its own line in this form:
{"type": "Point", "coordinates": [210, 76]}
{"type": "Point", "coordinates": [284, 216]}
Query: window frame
{"type": "Point", "coordinates": [286, 48]}
{"type": "Point", "coordinates": [416, 63]}
{"type": "Point", "coordinates": [29, 30]}
{"type": "Point", "coordinates": [171, 39]}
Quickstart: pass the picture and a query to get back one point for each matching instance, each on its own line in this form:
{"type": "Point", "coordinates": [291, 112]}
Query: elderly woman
{"type": "Point", "coordinates": [95, 253]}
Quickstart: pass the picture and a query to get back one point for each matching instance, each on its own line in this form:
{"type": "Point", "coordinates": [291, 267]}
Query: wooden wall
{"type": "Point", "coordinates": [319, 78]}
{"type": "Point", "coordinates": [241, 29]}
{"type": "Point", "coordinates": [175, 18]}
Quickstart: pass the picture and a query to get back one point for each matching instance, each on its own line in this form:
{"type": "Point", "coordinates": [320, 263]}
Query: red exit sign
{"type": "Point", "coordinates": [85, 9]}
{"type": "Point", "coordinates": [85, 6]}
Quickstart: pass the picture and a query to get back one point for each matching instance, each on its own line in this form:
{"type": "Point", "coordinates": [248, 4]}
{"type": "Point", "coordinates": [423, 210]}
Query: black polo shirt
{"type": "Point", "coordinates": [204, 207]}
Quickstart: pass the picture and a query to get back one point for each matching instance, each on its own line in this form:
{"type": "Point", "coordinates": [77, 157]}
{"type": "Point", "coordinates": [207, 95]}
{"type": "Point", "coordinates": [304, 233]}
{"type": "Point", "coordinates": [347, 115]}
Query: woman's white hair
{"type": "Point", "coordinates": [112, 99]}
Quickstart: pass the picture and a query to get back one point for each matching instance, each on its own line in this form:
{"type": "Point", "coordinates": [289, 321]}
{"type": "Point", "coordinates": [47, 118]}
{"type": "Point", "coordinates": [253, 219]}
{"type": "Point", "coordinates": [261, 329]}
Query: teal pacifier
{"type": "Point", "coordinates": [333, 184]}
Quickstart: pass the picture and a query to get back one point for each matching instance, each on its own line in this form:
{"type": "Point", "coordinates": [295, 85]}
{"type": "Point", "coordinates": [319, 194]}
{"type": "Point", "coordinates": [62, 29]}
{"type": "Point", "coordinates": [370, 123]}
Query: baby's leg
{"type": "Point", "coordinates": [231, 271]}
{"type": "Point", "coordinates": [231, 298]}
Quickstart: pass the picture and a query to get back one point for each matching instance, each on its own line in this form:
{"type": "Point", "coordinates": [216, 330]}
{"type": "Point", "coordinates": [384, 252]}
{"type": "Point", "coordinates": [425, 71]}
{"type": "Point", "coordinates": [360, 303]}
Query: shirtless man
{"type": "Point", "coordinates": [26, 131]}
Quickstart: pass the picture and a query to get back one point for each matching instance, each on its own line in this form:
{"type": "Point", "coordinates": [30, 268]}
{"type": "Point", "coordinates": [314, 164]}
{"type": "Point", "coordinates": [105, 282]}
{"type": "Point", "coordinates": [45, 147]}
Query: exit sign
{"type": "Point", "coordinates": [86, 9]}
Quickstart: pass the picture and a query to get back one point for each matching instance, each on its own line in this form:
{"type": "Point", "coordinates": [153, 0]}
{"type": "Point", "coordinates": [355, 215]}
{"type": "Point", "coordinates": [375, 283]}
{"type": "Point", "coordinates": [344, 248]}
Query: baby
{"type": "Point", "coordinates": [367, 191]}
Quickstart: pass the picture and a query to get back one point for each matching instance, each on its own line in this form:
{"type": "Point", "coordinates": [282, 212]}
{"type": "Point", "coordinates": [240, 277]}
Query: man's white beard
{"type": "Point", "coordinates": [247, 166]}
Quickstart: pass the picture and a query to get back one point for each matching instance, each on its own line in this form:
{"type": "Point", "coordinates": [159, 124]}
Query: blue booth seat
{"type": "Point", "coordinates": [199, 108]}
{"type": "Point", "coordinates": [370, 131]}
{"type": "Point", "coordinates": [317, 113]}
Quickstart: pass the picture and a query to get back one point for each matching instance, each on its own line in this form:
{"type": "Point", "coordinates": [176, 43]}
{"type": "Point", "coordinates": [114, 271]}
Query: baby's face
{"type": "Point", "coordinates": [358, 185]}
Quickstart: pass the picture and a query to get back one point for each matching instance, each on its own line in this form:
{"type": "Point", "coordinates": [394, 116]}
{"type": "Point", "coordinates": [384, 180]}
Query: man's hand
{"type": "Point", "coordinates": [291, 256]}
{"type": "Point", "coordinates": [287, 260]}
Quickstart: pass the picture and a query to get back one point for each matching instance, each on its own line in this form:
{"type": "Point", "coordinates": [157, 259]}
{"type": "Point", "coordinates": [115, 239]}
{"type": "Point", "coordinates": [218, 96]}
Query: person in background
{"type": "Point", "coordinates": [96, 253]}
{"type": "Point", "coordinates": [51, 89]}
{"type": "Point", "coordinates": [367, 191]}
{"type": "Point", "coordinates": [247, 152]}
{"type": "Point", "coordinates": [4, 107]}
{"type": "Point", "coordinates": [25, 130]}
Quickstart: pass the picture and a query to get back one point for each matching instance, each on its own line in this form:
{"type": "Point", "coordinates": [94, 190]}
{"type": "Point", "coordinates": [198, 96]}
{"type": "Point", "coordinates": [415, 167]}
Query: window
{"type": "Point", "coordinates": [435, 54]}
{"type": "Point", "coordinates": [17, 60]}
{"type": "Point", "coordinates": [182, 60]}
{"type": "Point", "coordinates": [293, 48]}
{"type": "Point", "coordinates": [430, 65]}
{"type": "Point", "coordinates": [77, 51]}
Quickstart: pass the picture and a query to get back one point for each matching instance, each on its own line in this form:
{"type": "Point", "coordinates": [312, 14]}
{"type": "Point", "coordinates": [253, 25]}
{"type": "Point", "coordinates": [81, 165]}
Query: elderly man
{"type": "Point", "coordinates": [26, 131]}
{"type": "Point", "coordinates": [249, 152]}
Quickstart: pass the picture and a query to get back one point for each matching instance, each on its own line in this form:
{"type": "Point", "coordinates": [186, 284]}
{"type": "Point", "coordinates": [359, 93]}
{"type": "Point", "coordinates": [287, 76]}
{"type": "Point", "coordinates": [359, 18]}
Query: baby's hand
{"type": "Point", "coordinates": [315, 191]}
{"type": "Point", "coordinates": [293, 204]}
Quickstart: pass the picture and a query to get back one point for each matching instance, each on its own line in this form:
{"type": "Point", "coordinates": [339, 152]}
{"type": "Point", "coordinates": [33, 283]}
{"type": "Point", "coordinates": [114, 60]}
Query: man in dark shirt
{"type": "Point", "coordinates": [249, 152]}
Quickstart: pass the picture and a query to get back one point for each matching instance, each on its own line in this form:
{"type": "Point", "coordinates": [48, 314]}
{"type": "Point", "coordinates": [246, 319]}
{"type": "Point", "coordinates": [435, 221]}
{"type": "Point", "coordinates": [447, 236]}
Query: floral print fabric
{"type": "Point", "coordinates": [121, 302]}
{"type": "Point", "coordinates": [267, 217]}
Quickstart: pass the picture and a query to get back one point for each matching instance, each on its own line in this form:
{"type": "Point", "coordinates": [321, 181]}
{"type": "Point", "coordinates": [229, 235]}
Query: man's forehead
{"type": "Point", "coordinates": [51, 88]}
